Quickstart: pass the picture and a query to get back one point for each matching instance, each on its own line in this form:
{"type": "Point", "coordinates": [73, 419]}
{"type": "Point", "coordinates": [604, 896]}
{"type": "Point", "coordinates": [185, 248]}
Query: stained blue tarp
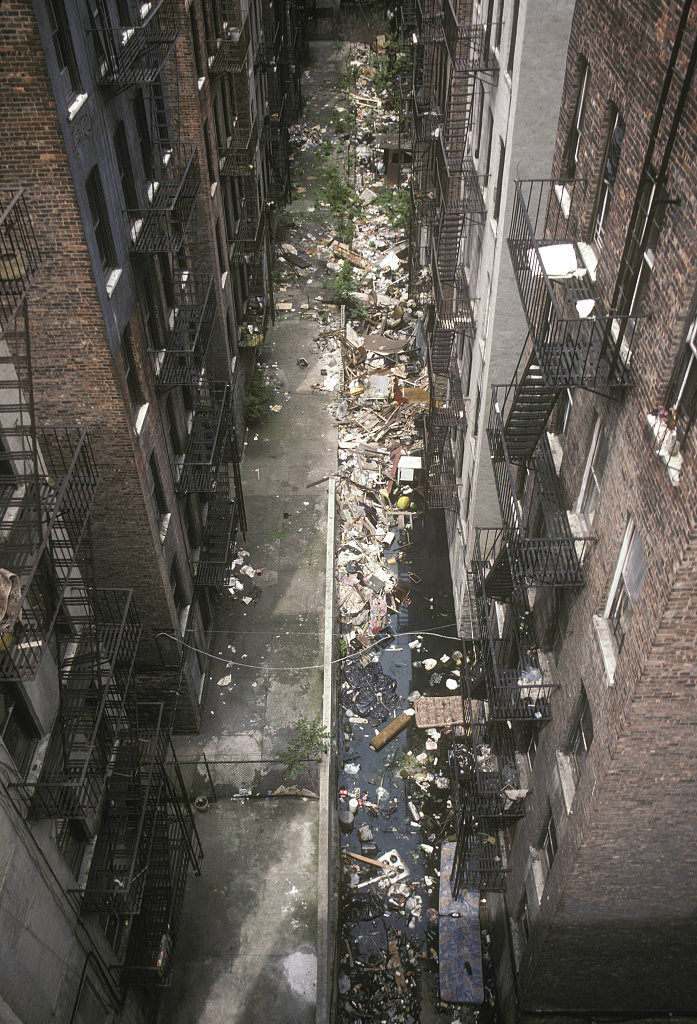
{"type": "Point", "coordinates": [459, 939]}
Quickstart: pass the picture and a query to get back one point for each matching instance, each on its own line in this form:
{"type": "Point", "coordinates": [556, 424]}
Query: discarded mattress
{"type": "Point", "coordinates": [459, 939]}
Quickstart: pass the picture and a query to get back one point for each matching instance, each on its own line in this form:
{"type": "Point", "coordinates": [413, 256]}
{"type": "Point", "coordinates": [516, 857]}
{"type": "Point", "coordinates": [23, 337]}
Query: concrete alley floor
{"type": "Point", "coordinates": [247, 945]}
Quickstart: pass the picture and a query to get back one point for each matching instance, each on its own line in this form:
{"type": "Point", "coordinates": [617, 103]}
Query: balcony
{"type": "Point", "coordinates": [237, 159]}
{"type": "Point", "coordinates": [46, 502]}
{"type": "Point", "coordinates": [446, 404]}
{"type": "Point", "coordinates": [441, 476]}
{"type": "Point", "coordinates": [228, 51]}
{"type": "Point", "coordinates": [577, 341]}
{"type": "Point", "coordinates": [95, 671]}
{"type": "Point", "coordinates": [176, 847]}
{"type": "Point", "coordinates": [468, 42]}
{"type": "Point", "coordinates": [509, 668]}
{"type": "Point", "coordinates": [459, 194]}
{"type": "Point", "coordinates": [249, 231]}
{"type": "Point", "coordinates": [135, 54]}
{"type": "Point", "coordinates": [211, 567]}
{"type": "Point", "coordinates": [208, 441]}
{"type": "Point", "coordinates": [554, 558]}
{"type": "Point", "coordinates": [119, 866]}
{"type": "Point", "coordinates": [162, 225]}
{"type": "Point", "coordinates": [479, 862]}
{"type": "Point", "coordinates": [191, 326]}
{"type": "Point", "coordinates": [451, 295]}
{"type": "Point", "coordinates": [484, 760]}
{"type": "Point", "coordinates": [19, 253]}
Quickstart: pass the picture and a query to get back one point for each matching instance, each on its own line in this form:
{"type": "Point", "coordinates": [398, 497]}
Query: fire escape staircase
{"type": "Point", "coordinates": [228, 50]}
{"type": "Point", "coordinates": [133, 54]}
{"type": "Point", "coordinates": [209, 441]}
{"type": "Point", "coordinates": [191, 322]}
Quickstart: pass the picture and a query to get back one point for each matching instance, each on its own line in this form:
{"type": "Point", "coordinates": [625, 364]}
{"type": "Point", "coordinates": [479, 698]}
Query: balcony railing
{"type": "Point", "coordinates": [446, 404]}
{"type": "Point", "coordinates": [514, 684]}
{"type": "Point", "coordinates": [468, 42]}
{"type": "Point", "coordinates": [451, 295]}
{"type": "Point", "coordinates": [577, 340]}
{"type": "Point", "coordinates": [229, 50]}
{"type": "Point", "coordinates": [176, 847]}
{"type": "Point", "coordinates": [211, 566]}
{"type": "Point", "coordinates": [237, 159]}
{"type": "Point", "coordinates": [95, 671]}
{"type": "Point", "coordinates": [135, 54]}
{"type": "Point", "coordinates": [19, 253]}
{"type": "Point", "coordinates": [441, 474]}
{"type": "Point", "coordinates": [119, 867]}
{"type": "Point", "coordinates": [479, 861]}
{"type": "Point", "coordinates": [162, 225]}
{"type": "Point", "coordinates": [191, 326]}
{"type": "Point", "coordinates": [485, 759]}
{"type": "Point", "coordinates": [208, 441]}
{"type": "Point", "coordinates": [46, 505]}
{"type": "Point", "coordinates": [553, 559]}
{"type": "Point", "coordinates": [248, 229]}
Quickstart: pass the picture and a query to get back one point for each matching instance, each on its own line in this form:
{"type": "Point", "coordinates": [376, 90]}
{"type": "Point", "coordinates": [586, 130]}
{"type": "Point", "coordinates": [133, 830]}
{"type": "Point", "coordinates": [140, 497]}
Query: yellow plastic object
{"type": "Point", "coordinates": [404, 502]}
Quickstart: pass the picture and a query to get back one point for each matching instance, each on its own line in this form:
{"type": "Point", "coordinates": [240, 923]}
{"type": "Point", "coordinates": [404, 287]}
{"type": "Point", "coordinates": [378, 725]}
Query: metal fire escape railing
{"type": "Point", "coordinates": [190, 329]}
{"type": "Point", "coordinates": [577, 340]}
{"type": "Point", "coordinates": [513, 683]}
{"type": "Point", "coordinates": [237, 159]}
{"type": "Point", "coordinates": [95, 661]}
{"type": "Point", "coordinates": [554, 558]}
{"type": "Point", "coordinates": [230, 47]}
{"type": "Point", "coordinates": [440, 473]}
{"type": "Point", "coordinates": [19, 253]}
{"type": "Point", "coordinates": [135, 53]}
{"type": "Point", "coordinates": [210, 565]}
{"type": "Point", "coordinates": [47, 498]}
{"type": "Point", "coordinates": [209, 441]}
{"type": "Point", "coordinates": [175, 847]}
{"type": "Point", "coordinates": [248, 232]}
{"type": "Point", "coordinates": [161, 226]}
{"type": "Point", "coordinates": [447, 404]}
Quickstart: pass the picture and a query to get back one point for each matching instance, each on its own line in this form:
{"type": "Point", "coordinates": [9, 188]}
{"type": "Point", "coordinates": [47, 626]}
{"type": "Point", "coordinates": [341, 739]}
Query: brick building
{"type": "Point", "coordinates": [574, 776]}
{"type": "Point", "coordinates": [144, 152]}
{"type": "Point", "coordinates": [153, 142]}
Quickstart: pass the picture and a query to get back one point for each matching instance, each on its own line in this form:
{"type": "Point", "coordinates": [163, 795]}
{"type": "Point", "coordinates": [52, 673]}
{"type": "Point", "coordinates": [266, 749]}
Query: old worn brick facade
{"type": "Point", "coordinates": [610, 925]}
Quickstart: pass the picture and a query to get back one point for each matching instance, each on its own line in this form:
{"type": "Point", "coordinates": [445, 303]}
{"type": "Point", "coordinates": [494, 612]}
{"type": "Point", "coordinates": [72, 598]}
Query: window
{"type": "Point", "coordinates": [573, 140]}
{"type": "Point", "coordinates": [196, 43]}
{"type": "Point", "coordinates": [589, 495]}
{"type": "Point", "coordinates": [16, 731]}
{"type": "Point", "coordinates": [149, 311]}
{"type": "Point", "coordinates": [487, 164]}
{"type": "Point", "coordinates": [222, 261]}
{"type": "Point", "coordinates": [562, 412]}
{"type": "Point", "coordinates": [178, 594]}
{"type": "Point", "coordinates": [71, 842]}
{"type": "Point", "coordinates": [626, 585]}
{"type": "Point", "coordinates": [63, 48]}
{"type": "Point", "coordinates": [581, 737]}
{"type": "Point", "coordinates": [100, 221]}
{"type": "Point", "coordinates": [140, 118]}
{"type": "Point", "coordinates": [123, 162]}
{"type": "Point", "coordinates": [8, 477]}
{"type": "Point", "coordinates": [514, 36]}
{"type": "Point", "coordinates": [640, 256]}
{"type": "Point", "coordinates": [130, 369]}
{"type": "Point", "coordinates": [499, 180]}
{"type": "Point", "coordinates": [209, 152]}
{"type": "Point", "coordinates": [172, 431]}
{"type": "Point", "coordinates": [682, 393]}
{"type": "Point", "coordinates": [532, 741]}
{"type": "Point", "coordinates": [498, 27]}
{"type": "Point", "coordinates": [611, 162]}
{"type": "Point", "coordinates": [480, 118]}
{"type": "Point", "coordinates": [157, 494]}
{"type": "Point", "coordinates": [548, 844]}
{"type": "Point", "coordinates": [523, 919]}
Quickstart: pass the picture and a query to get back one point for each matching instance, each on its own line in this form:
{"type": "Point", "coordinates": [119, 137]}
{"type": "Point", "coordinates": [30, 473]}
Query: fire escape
{"type": "Point", "coordinates": [446, 199]}
{"type": "Point", "coordinates": [105, 771]}
{"type": "Point", "coordinates": [275, 131]}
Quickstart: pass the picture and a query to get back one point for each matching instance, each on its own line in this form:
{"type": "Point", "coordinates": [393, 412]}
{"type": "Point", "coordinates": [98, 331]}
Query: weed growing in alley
{"type": "Point", "coordinates": [309, 742]}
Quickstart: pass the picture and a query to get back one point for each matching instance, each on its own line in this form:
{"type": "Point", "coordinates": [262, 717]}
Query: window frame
{"type": "Point", "coordinates": [621, 601]}
{"type": "Point", "coordinates": [607, 183]}
{"type": "Point", "coordinates": [157, 492]}
{"type": "Point", "coordinates": [592, 480]}
{"type": "Point", "coordinates": [101, 225]}
{"type": "Point", "coordinates": [549, 844]}
{"type": "Point", "coordinates": [125, 170]}
{"type": "Point", "coordinates": [62, 40]}
{"type": "Point", "coordinates": [580, 737]}
{"type": "Point", "coordinates": [130, 370]}
{"type": "Point", "coordinates": [685, 367]}
{"type": "Point", "coordinates": [575, 133]}
{"type": "Point", "coordinates": [15, 714]}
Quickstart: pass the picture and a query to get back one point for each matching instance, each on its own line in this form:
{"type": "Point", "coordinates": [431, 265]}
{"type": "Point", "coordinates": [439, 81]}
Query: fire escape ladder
{"type": "Point", "coordinates": [524, 408]}
{"type": "Point", "coordinates": [133, 53]}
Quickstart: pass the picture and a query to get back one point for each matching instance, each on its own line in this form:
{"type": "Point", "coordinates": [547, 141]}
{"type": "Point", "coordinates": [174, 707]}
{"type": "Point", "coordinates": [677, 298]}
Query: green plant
{"type": "Point", "coordinates": [395, 202]}
{"type": "Point", "coordinates": [258, 396]}
{"type": "Point", "coordinates": [310, 740]}
{"type": "Point", "coordinates": [343, 202]}
{"type": "Point", "coordinates": [392, 67]}
{"type": "Point", "coordinates": [343, 286]}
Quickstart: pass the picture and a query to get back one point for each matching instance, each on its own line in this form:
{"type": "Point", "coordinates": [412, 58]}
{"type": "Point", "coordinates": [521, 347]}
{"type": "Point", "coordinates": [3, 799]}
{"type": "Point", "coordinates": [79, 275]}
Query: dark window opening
{"type": "Point", "coordinates": [63, 48]}
{"type": "Point", "coordinates": [8, 477]}
{"type": "Point", "coordinates": [135, 392]}
{"type": "Point", "coordinates": [123, 162]}
{"type": "Point", "coordinates": [144, 142]}
{"type": "Point", "coordinates": [499, 180]}
{"type": "Point", "coordinates": [100, 220]}
{"type": "Point", "coordinates": [581, 737]}
{"type": "Point", "coordinates": [548, 844]}
{"type": "Point", "coordinates": [573, 141]}
{"type": "Point", "coordinates": [157, 494]}
{"type": "Point", "coordinates": [611, 163]}
{"type": "Point", "coordinates": [178, 593]}
{"type": "Point", "coordinates": [16, 731]}
{"type": "Point", "coordinates": [514, 36]}
{"type": "Point", "coordinates": [196, 43]}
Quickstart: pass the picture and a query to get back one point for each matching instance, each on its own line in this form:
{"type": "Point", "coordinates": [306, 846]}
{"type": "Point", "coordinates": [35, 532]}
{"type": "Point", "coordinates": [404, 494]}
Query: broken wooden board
{"type": "Point", "coordinates": [348, 254]}
{"type": "Point", "coordinates": [436, 712]}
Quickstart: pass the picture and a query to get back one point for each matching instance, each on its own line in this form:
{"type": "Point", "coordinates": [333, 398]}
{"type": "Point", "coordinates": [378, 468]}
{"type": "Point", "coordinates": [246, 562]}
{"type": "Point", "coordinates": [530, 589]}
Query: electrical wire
{"type": "Point", "coordinates": [229, 662]}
